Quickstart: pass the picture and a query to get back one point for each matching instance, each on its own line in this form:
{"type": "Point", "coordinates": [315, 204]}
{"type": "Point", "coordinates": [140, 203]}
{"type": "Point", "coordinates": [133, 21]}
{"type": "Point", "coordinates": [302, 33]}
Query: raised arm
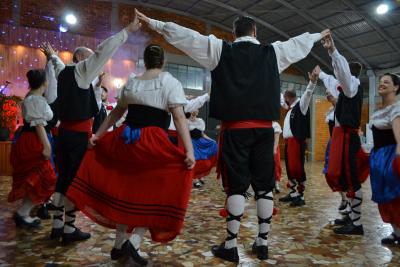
{"type": "Point", "coordinates": [196, 103]}
{"type": "Point", "coordinates": [306, 97]}
{"type": "Point", "coordinates": [87, 70]}
{"type": "Point", "coordinates": [295, 49]}
{"type": "Point", "coordinates": [330, 82]}
{"type": "Point", "coordinates": [341, 68]}
{"type": "Point", "coordinates": [206, 50]}
{"type": "Point", "coordinates": [51, 92]}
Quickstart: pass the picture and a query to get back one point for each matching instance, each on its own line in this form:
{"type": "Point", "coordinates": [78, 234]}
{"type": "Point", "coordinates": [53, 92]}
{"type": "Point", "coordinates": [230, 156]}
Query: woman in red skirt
{"type": "Point", "coordinates": [33, 174]}
{"type": "Point", "coordinates": [135, 178]}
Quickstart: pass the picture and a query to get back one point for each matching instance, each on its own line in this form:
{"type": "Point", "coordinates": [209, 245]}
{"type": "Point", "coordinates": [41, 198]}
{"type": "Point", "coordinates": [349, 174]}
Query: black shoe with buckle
{"type": "Point", "coordinates": [389, 240]}
{"type": "Point", "coordinates": [77, 235]}
{"type": "Point", "coordinates": [344, 221]}
{"type": "Point", "coordinates": [260, 251]}
{"type": "Point", "coordinates": [21, 222]}
{"type": "Point", "coordinates": [228, 254]}
{"type": "Point", "coordinates": [298, 201]}
{"type": "Point", "coordinates": [350, 229]}
{"type": "Point", "coordinates": [287, 198]}
{"type": "Point", "coordinates": [133, 253]}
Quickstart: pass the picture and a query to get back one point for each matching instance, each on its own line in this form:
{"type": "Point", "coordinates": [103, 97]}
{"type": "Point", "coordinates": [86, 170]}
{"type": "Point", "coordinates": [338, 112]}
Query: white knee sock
{"type": "Point", "coordinates": [69, 226]}
{"type": "Point", "coordinates": [355, 204]}
{"type": "Point", "coordinates": [343, 195]}
{"type": "Point", "coordinates": [265, 206]}
{"type": "Point", "coordinates": [58, 202]}
{"type": "Point", "coordinates": [235, 208]}
{"type": "Point", "coordinates": [137, 237]}
{"type": "Point", "coordinates": [25, 210]}
{"type": "Point", "coordinates": [120, 235]}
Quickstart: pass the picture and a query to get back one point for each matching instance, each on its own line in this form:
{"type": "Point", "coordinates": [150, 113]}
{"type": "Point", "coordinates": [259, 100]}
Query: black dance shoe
{"type": "Point", "coordinates": [21, 222]}
{"type": "Point", "coordinates": [344, 221]}
{"type": "Point", "coordinates": [43, 213]}
{"type": "Point", "coordinates": [350, 229]}
{"type": "Point", "coordinates": [76, 235]}
{"type": "Point", "coordinates": [117, 254]}
{"type": "Point", "coordinates": [389, 240]}
{"type": "Point", "coordinates": [50, 206]}
{"type": "Point", "coordinates": [134, 254]}
{"type": "Point", "coordinates": [221, 252]}
{"type": "Point", "coordinates": [298, 202]}
{"type": "Point", "coordinates": [287, 198]}
{"type": "Point", "coordinates": [260, 251]}
{"type": "Point", "coordinates": [56, 233]}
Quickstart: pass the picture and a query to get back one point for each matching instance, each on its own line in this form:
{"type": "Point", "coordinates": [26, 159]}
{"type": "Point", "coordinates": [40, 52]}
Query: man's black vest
{"type": "Point", "coordinates": [245, 84]}
{"type": "Point", "coordinates": [348, 110]}
{"type": "Point", "coordinates": [299, 123]}
{"type": "Point", "coordinates": [74, 103]}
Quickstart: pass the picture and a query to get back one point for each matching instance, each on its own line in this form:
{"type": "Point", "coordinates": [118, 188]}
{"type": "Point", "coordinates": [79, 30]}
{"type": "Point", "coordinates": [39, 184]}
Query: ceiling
{"type": "Point", "coordinates": [360, 34]}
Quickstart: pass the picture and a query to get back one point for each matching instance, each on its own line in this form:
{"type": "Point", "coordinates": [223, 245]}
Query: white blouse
{"type": "Point", "coordinates": [36, 111]}
{"type": "Point", "coordinates": [383, 118]}
{"type": "Point", "coordinates": [198, 123]}
{"type": "Point", "coordinates": [162, 92]}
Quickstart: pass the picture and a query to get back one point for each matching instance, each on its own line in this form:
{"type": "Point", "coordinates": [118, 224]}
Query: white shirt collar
{"type": "Point", "coordinates": [247, 39]}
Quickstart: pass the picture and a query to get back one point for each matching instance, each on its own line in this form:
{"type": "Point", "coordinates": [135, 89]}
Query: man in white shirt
{"type": "Point", "coordinates": [346, 155]}
{"type": "Point", "coordinates": [296, 131]}
{"type": "Point", "coordinates": [245, 97]}
{"type": "Point", "coordinates": [77, 106]}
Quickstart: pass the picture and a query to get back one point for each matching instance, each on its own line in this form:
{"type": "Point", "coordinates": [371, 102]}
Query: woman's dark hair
{"type": "Point", "coordinates": [243, 26]}
{"type": "Point", "coordinates": [355, 69]}
{"type": "Point", "coordinates": [153, 57]}
{"type": "Point", "coordinates": [290, 93]}
{"type": "Point", "coordinates": [395, 80]}
{"type": "Point", "coordinates": [36, 78]}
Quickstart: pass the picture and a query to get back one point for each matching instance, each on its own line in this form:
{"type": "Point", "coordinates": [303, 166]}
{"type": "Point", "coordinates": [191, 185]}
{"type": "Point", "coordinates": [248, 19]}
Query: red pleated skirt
{"type": "Point", "coordinates": [390, 212]}
{"type": "Point", "coordinates": [339, 155]}
{"type": "Point", "coordinates": [278, 167]}
{"type": "Point", "coordinates": [145, 184]}
{"type": "Point", "coordinates": [33, 176]}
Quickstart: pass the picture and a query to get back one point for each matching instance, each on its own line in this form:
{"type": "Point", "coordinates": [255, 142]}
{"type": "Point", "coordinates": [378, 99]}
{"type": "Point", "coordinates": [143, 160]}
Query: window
{"type": "Point", "coordinates": [190, 77]}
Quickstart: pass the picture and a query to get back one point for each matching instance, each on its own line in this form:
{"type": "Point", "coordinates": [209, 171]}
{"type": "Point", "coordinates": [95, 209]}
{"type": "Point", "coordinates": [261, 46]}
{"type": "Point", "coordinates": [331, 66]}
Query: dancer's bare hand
{"type": "Point", "coordinates": [313, 77]}
{"type": "Point", "coordinates": [47, 152]}
{"type": "Point", "coordinates": [135, 24]}
{"type": "Point", "coordinates": [48, 50]}
{"type": "Point", "coordinates": [101, 78]}
{"type": "Point", "coordinates": [190, 161]}
{"type": "Point", "coordinates": [325, 33]}
{"type": "Point", "coordinates": [328, 43]}
{"type": "Point", "coordinates": [142, 17]}
{"type": "Point", "coordinates": [92, 141]}
{"type": "Point", "coordinates": [317, 70]}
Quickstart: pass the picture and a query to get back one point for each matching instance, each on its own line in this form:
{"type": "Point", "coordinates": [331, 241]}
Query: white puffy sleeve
{"type": "Point", "coordinates": [277, 127]}
{"type": "Point", "coordinates": [174, 92]}
{"type": "Point", "coordinates": [395, 112]}
{"type": "Point", "coordinates": [37, 111]}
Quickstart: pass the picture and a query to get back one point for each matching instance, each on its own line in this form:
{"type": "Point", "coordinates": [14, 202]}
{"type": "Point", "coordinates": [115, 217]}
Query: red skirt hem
{"type": "Point", "coordinates": [145, 184]}
{"type": "Point", "coordinates": [390, 212]}
{"type": "Point", "coordinates": [204, 167]}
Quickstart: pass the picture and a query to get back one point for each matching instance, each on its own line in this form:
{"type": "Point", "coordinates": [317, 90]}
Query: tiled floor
{"type": "Point", "coordinates": [300, 236]}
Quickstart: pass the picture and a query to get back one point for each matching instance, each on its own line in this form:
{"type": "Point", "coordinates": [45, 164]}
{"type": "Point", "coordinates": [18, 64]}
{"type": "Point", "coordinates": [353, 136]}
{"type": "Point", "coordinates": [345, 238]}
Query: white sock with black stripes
{"type": "Point", "coordinates": [235, 209]}
{"type": "Point", "coordinates": [265, 206]}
